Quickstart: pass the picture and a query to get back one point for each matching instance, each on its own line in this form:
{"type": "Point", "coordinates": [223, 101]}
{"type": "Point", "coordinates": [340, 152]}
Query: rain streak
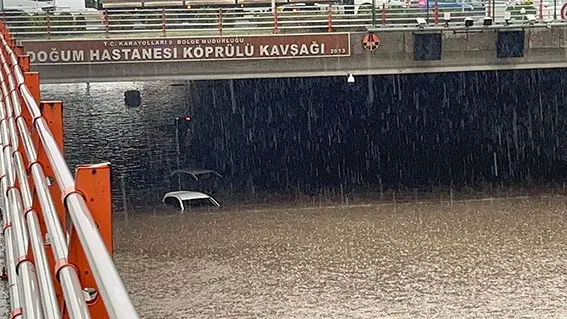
{"type": "Point", "coordinates": [414, 196]}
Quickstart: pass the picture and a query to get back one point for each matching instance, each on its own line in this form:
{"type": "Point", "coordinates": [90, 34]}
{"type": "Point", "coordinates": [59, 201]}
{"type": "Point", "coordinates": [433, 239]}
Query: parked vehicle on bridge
{"type": "Point", "coordinates": [442, 4]}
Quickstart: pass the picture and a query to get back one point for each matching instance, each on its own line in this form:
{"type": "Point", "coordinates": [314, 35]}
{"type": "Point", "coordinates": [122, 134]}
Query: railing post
{"type": "Point", "coordinates": [48, 26]}
{"type": "Point", "coordinates": [488, 8]}
{"type": "Point", "coordinates": [427, 11]}
{"type": "Point", "coordinates": [330, 20]}
{"type": "Point", "coordinates": [93, 182]}
{"type": "Point", "coordinates": [52, 112]}
{"type": "Point", "coordinates": [541, 9]}
{"type": "Point", "coordinates": [373, 13]}
{"type": "Point", "coordinates": [275, 13]}
{"type": "Point", "coordinates": [220, 21]}
{"type": "Point", "coordinates": [106, 23]}
{"type": "Point", "coordinates": [24, 62]}
{"type": "Point", "coordinates": [163, 27]}
{"type": "Point", "coordinates": [383, 13]}
{"type": "Point", "coordinates": [436, 13]}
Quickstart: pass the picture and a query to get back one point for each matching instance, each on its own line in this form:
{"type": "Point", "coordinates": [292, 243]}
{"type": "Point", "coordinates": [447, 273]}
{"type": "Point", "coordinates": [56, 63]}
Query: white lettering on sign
{"type": "Point", "coordinates": [182, 49]}
{"type": "Point", "coordinates": [57, 56]}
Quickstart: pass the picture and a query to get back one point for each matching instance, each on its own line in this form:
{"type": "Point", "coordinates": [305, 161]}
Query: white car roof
{"type": "Point", "coordinates": [187, 195]}
{"type": "Point", "coordinates": [195, 172]}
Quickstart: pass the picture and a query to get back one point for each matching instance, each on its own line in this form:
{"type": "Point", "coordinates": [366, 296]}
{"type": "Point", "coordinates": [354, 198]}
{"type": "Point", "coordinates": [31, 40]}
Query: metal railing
{"type": "Point", "coordinates": [239, 21]}
{"type": "Point", "coordinates": [27, 203]}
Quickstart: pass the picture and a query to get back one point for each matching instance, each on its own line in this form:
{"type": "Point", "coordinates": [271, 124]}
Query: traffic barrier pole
{"type": "Point", "coordinates": [220, 21]}
{"type": "Point", "coordinates": [436, 13]}
{"type": "Point", "coordinates": [275, 31]}
{"type": "Point", "coordinates": [106, 22]}
{"type": "Point", "coordinates": [163, 27]}
{"type": "Point", "coordinates": [383, 13]}
{"type": "Point", "coordinates": [329, 19]}
{"type": "Point", "coordinates": [48, 26]}
{"type": "Point", "coordinates": [541, 9]}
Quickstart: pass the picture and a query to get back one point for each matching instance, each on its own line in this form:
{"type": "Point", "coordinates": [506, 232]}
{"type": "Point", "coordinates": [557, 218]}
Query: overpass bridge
{"type": "Point", "coordinates": [56, 226]}
{"type": "Point", "coordinates": [330, 41]}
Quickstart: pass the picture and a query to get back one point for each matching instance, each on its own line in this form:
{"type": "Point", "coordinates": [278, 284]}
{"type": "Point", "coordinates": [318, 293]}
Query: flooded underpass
{"type": "Point", "coordinates": [279, 141]}
{"type": "Point", "coordinates": [501, 258]}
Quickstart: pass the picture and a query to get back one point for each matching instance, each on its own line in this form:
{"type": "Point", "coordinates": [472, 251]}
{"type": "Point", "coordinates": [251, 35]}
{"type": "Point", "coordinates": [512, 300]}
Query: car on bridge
{"type": "Point", "coordinates": [443, 4]}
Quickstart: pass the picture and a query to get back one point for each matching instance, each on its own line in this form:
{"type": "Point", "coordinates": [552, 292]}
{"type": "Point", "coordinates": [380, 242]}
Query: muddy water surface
{"type": "Point", "coordinates": [483, 259]}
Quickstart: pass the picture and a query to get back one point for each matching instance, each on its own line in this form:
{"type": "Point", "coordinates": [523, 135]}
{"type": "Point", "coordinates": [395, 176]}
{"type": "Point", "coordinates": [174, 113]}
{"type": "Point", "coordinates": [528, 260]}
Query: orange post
{"type": "Point", "coordinates": [24, 62]}
{"type": "Point", "coordinates": [19, 50]}
{"type": "Point", "coordinates": [31, 79]}
{"type": "Point", "coordinates": [93, 181]}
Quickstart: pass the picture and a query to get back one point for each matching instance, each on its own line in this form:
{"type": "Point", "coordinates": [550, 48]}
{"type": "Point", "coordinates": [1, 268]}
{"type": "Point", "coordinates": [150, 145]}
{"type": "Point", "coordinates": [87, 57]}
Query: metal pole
{"type": "Point", "coordinates": [427, 11]}
{"type": "Point", "coordinates": [112, 290]}
{"type": "Point", "coordinates": [48, 296]}
{"type": "Point", "coordinates": [374, 13]}
{"type": "Point", "coordinates": [554, 10]}
{"type": "Point", "coordinates": [75, 302]}
{"type": "Point", "coordinates": [24, 268]}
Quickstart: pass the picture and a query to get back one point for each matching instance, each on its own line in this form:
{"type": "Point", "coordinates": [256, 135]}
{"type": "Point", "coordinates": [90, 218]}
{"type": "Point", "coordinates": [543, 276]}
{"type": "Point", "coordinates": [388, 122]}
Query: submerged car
{"type": "Point", "coordinates": [201, 183]}
{"type": "Point", "coordinates": [187, 200]}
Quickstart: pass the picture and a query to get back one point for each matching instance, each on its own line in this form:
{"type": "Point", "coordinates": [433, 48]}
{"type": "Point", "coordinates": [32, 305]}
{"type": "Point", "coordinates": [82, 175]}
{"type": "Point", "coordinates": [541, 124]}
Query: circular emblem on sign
{"type": "Point", "coordinates": [564, 12]}
{"type": "Point", "coordinates": [370, 42]}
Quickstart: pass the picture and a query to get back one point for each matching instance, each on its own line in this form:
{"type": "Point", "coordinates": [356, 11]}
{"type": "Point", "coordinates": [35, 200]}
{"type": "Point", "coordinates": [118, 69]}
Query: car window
{"type": "Point", "coordinates": [172, 202]}
{"type": "Point", "coordinates": [197, 203]}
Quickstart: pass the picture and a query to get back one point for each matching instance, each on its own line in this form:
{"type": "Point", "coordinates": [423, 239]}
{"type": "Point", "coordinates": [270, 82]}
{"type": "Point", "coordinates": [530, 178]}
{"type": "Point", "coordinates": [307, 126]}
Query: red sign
{"type": "Point", "coordinates": [370, 42]}
{"type": "Point", "coordinates": [188, 49]}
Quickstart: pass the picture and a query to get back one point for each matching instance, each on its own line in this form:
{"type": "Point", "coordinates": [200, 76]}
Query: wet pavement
{"type": "Point", "coordinates": [477, 259]}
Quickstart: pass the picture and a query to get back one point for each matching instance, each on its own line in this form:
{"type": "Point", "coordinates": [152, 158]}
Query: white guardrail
{"type": "Point", "coordinates": [23, 177]}
{"type": "Point", "coordinates": [286, 19]}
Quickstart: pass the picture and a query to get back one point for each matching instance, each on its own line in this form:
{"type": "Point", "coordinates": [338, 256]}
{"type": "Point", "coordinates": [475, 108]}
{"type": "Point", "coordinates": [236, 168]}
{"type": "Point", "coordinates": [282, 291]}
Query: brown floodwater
{"type": "Point", "coordinates": [474, 259]}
